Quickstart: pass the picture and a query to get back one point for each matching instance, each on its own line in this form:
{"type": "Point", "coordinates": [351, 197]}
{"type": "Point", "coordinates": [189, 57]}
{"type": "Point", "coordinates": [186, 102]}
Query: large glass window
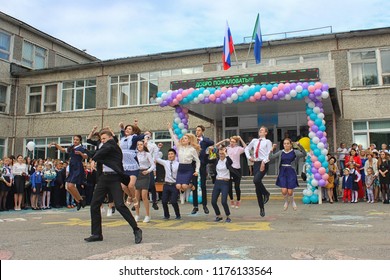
{"type": "Point", "coordinates": [141, 88]}
{"type": "Point", "coordinates": [5, 45]}
{"type": "Point", "coordinates": [367, 132]}
{"type": "Point", "coordinates": [364, 68]}
{"type": "Point", "coordinates": [42, 99]}
{"type": "Point", "coordinates": [2, 148]}
{"type": "Point", "coordinates": [33, 56]}
{"type": "Point", "coordinates": [385, 62]}
{"type": "Point", "coordinates": [78, 95]}
{"type": "Point", "coordinates": [3, 99]}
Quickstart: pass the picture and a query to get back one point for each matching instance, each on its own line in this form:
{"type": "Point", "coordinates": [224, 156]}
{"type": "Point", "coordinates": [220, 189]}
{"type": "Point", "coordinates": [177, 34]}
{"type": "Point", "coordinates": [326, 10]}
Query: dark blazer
{"type": "Point", "coordinates": [204, 144]}
{"type": "Point", "coordinates": [347, 184]}
{"type": "Point", "coordinates": [111, 155]}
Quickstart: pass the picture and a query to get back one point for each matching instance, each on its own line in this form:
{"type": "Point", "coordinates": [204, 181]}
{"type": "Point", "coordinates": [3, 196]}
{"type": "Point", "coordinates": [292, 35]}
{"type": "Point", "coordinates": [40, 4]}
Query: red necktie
{"type": "Point", "coordinates": [257, 149]}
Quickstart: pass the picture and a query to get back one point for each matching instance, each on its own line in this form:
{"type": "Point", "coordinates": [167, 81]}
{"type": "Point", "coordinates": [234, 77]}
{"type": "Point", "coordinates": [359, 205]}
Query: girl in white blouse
{"type": "Point", "coordinates": [188, 151]}
{"type": "Point", "coordinates": [19, 170]}
{"type": "Point", "coordinates": [146, 166]}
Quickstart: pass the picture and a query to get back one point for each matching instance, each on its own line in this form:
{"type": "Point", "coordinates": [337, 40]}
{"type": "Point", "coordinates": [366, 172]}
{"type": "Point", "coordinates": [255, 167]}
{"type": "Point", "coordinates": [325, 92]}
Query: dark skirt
{"type": "Point", "coordinates": [19, 183]}
{"type": "Point", "coordinates": [132, 172]}
{"type": "Point", "coordinates": [143, 181]}
{"type": "Point", "coordinates": [184, 173]}
{"type": "Point", "coordinates": [287, 178]}
{"type": "Point", "coordinates": [3, 186]}
{"type": "Point", "coordinates": [38, 189]}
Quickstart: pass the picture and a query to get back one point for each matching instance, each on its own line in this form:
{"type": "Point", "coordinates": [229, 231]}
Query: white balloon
{"type": "Point", "coordinates": [196, 100]}
{"type": "Point", "coordinates": [246, 88]}
{"type": "Point", "coordinates": [206, 92]}
{"type": "Point", "coordinates": [311, 134]}
{"type": "Point", "coordinates": [287, 97]}
{"type": "Point", "coordinates": [316, 140]}
{"type": "Point", "coordinates": [159, 100]}
{"type": "Point", "coordinates": [325, 94]}
{"type": "Point", "coordinates": [299, 88]}
{"type": "Point", "coordinates": [181, 126]}
{"type": "Point", "coordinates": [240, 92]}
{"type": "Point", "coordinates": [229, 100]}
{"type": "Point", "coordinates": [164, 96]}
{"type": "Point", "coordinates": [317, 110]}
{"type": "Point", "coordinates": [309, 193]}
{"type": "Point", "coordinates": [235, 95]}
{"type": "Point", "coordinates": [177, 120]}
{"type": "Point", "coordinates": [293, 93]}
{"type": "Point", "coordinates": [201, 96]}
{"type": "Point", "coordinates": [321, 146]}
{"type": "Point", "coordinates": [184, 131]}
{"type": "Point", "coordinates": [315, 191]}
{"type": "Point", "coordinates": [30, 146]}
{"type": "Point", "coordinates": [324, 151]}
{"type": "Point", "coordinates": [311, 104]}
{"type": "Point", "coordinates": [314, 182]}
{"type": "Point", "coordinates": [321, 115]}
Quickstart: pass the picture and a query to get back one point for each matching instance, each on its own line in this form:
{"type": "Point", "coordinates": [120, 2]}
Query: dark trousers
{"type": "Point", "coordinates": [152, 187]}
{"type": "Point", "coordinates": [203, 177]}
{"type": "Point", "coordinates": [170, 194]}
{"type": "Point", "coordinates": [55, 196]}
{"type": "Point", "coordinates": [106, 184]}
{"type": "Point", "coordinates": [220, 187]}
{"type": "Point", "coordinates": [236, 180]}
{"type": "Point", "coordinates": [258, 181]}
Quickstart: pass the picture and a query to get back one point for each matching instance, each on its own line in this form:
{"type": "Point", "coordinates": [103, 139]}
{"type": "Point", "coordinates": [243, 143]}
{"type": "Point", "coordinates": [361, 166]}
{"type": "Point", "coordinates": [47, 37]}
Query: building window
{"type": "Point", "coordinates": [5, 45]}
{"type": "Point", "coordinates": [42, 99]}
{"type": "Point", "coordinates": [3, 99]}
{"type": "Point", "coordinates": [385, 62]}
{"type": "Point", "coordinates": [364, 68]}
{"type": "Point", "coordinates": [378, 132]}
{"type": "Point", "coordinates": [78, 95]}
{"type": "Point", "coordinates": [2, 147]}
{"type": "Point", "coordinates": [33, 56]}
{"type": "Point", "coordinates": [141, 88]}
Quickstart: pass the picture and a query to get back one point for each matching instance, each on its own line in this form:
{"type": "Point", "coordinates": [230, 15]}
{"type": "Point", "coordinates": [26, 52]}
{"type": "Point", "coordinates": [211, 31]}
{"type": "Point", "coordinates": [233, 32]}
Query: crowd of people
{"type": "Point", "coordinates": [121, 171]}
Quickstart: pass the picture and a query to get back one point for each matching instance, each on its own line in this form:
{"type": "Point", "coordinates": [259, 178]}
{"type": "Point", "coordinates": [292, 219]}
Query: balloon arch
{"type": "Point", "coordinates": [312, 93]}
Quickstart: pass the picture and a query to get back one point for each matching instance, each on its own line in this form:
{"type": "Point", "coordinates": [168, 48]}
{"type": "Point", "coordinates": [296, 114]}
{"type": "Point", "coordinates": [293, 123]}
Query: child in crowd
{"type": "Point", "coordinates": [347, 185]}
{"type": "Point", "coordinates": [370, 179]}
{"type": "Point", "coordinates": [356, 178]}
{"type": "Point", "coordinates": [36, 186]}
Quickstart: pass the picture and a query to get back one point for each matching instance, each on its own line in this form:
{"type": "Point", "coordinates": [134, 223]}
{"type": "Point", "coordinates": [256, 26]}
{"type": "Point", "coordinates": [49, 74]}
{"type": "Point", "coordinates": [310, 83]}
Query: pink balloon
{"type": "Point", "coordinates": [280, 86]}
{"type": "Point", "coordinates": [309, 123]}
{"type": "Point", "coordinates": [223, 89]}
{"type": "Point", "coordinates": [263, 91]}
{"type": "Point", "coordinates": [252, 99]}
{"type": "Point", "coordinates": [325, 176]}
{"type": "Point", "coordinates": [185, 111]}
{"type": "Point", "coordinates": [179, 97]}
{"type": "Point", "coordinates": [318, 85]}
{"type": "Point", "coordinates": [212, 97]}
{"type": "Point", "coordinates": [275, 90]}
{"type": "Point", "coordinates": [314, 159]}
{"type": "Point", "coordinates": [321, 170]}
{"type": "Point", "coordinates": [175, 102]}
{"type": "Point", "coordinates": [257, 95]}
{"type": "Point", "coordinates": [191, 90]}
{"type": "Point", "coordinates": [185, 93]}
{"type": "Point", "coordinates": [218, 93]}
{"type": "Point", "coordinates": [269, 95]}
{"type": "Point", "coordinates": [311, 89]}
{"type": "Point", "coordinates": [317, 164]}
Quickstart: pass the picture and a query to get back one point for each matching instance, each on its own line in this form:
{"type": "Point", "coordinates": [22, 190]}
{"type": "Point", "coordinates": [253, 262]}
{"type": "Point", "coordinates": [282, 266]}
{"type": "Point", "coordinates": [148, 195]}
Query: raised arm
{"type": "Point", "coordinates": [173, 136]}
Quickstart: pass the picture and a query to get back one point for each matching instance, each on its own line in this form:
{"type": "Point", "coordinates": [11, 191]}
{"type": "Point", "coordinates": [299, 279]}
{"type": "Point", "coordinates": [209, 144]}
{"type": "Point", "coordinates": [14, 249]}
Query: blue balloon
{"type": "Point", "coordinates": [309, 111]}
{"type": "Point", "coordinates": [321, 158]}
{"type": "Point", "coordinates": [313, 147]}
{"type": "Point", "coordinates": [190, 198]}
{"type": "Point", "coordinates": [313, 116]}
{"type": "Point", "coordinates": [305, 92]}
{"type": "Point", "coordinates": [318, 122]}
{"type": "Point", "coordinates": [317, 152]}
{"type": "Point", "coordinates": [306, 199]}
{"type": "Point", "coordinates": [322, 127]}
{"type": "Point", "coordinates": [325, 164]}
{"type": "Point", "coordinates": [177, 131]}
{"type": "Point", "coordinates": [314, 198]}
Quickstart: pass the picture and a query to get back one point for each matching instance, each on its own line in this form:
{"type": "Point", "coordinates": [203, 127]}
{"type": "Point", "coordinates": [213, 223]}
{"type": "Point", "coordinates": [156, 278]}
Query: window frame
{"type": "Point", "coordinates": [32, 62]}
{"type": "Point", "coordinates": [75, 90]}
{"type": "Point", "coordinates": [42, 94]}
{"type": "Point", "coordinates": [7, 99]}
{"type": "Point", "coordinates": [5, 51]}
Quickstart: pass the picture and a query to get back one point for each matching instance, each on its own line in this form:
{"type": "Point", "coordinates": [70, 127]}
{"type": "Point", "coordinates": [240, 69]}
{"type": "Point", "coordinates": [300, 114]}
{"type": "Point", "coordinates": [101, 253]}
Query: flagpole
{"type": "Point", "coordinates": [249, 51]}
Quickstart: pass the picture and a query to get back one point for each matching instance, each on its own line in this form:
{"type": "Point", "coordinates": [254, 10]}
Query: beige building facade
{"type": "Point", "coordinates": [63, 99]}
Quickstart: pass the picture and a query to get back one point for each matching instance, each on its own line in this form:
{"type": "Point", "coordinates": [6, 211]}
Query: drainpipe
{"type": "Point", "coordinates": [15, 116]}
{"type": "Point", "coordinates": [334, 132]}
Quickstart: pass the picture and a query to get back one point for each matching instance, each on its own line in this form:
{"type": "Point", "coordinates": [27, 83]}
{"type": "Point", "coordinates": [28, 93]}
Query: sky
{"type": "Point", "coordinates": [127, 28]}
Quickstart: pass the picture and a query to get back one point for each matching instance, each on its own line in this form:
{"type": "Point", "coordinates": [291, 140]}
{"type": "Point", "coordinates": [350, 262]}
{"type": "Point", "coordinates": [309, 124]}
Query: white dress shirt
{"type": "Point", "coordinates": [170, 168]}
{"type": "Point", "coordinates": [264, 149]}
{"type": "Point", "coordinates": [145, 161]}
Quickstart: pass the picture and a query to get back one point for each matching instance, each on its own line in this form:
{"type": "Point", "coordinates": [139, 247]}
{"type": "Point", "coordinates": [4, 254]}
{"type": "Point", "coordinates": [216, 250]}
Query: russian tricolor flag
{"type": "Point", "coordinates": [258, 40]}
{"type": "Point", "coordinates": [228, 48]}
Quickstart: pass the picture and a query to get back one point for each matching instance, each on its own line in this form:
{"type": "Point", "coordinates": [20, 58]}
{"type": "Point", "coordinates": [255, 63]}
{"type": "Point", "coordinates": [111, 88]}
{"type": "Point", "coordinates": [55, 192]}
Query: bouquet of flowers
{"type": "Point", "coordinates": [49, 175]}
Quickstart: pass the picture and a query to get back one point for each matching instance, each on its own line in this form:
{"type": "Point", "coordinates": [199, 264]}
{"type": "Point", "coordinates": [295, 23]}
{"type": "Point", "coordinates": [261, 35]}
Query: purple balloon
{"type": "Point", "coordinates": [324, 140]}
{"type": "Point", "coordinates": [281, 93]}
{"type": "Point", "coordinates": [275, 97]}
{"type": "Point", "coordinates": [218, 100]}
{"type": "Point", "coordinates": [228, 92]}
{"type": "Point", "coordinates": [312, 96]}
{"type": "Point", "coordinates": [164, 103]}
{"type": "Point", "coordinates": [223, 96]}
{"type": "Point", "coordinates": [263, 98]}
{"type": "Point", "coordinates": [174, 94]}
{"type": "Point", "coordinates": [317, 176]}
{"type": "Point", "coordinates": [206, 100]}
{"type": "Point", "coordinates": [314, 128]}
{"type": "Point", "coordinates": [314, 170]}
{"type": "Point", "coordinates": [322, 183]}
{"type": "Point", "coordinates": [319, 134]}
{"type": "Point", "coordinates": [317, 92]}
{"type": "Point", "coordinates": [305, 85]}
{"type": "Point", "coordinates": [234, 90]}
{"type": "Point", "coordinates": [325, 87]}
{"type": "Point", "coordinates": [181, 115]}
{"type": "Point", "coordinates": [286, 90]}
{"type": "Point", "coordinates": [293, 86]}
{"type": "Point", "coordinates": [178, 109]}
{"type": "Point", "coordinates": [184, 121]}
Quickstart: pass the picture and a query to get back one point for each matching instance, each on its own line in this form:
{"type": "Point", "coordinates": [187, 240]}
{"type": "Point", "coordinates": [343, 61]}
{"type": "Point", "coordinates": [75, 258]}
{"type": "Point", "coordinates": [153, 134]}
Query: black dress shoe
{"type": "Point", "coordinates": [266, 198]}
{"type": "Point", "coordinates": [94, 238]}
{"type": "Point", "coordinates": [206, 210]}
{"type": "Point", "coordinates": [262, 212]}
{"type": "Point", "coordinates": [195, 210]}
{"type": "Point", "coordinates": [78, 205]}
{"type": "Point", "coordinates": [138, 236]}
{"type": "Point", "coordinates": [155, 206]}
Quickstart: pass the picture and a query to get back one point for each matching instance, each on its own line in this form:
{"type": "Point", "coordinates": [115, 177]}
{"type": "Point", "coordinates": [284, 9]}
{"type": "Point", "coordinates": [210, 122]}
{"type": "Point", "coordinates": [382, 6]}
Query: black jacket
{"type": "Point", "coordinates": [111, 155]}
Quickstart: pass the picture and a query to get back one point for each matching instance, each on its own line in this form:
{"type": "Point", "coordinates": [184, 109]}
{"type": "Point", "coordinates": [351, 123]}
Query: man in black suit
{"type": "Point", "coordinates": [204, 143]}
{"type": "Point", "coordinates": [110, 177]}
